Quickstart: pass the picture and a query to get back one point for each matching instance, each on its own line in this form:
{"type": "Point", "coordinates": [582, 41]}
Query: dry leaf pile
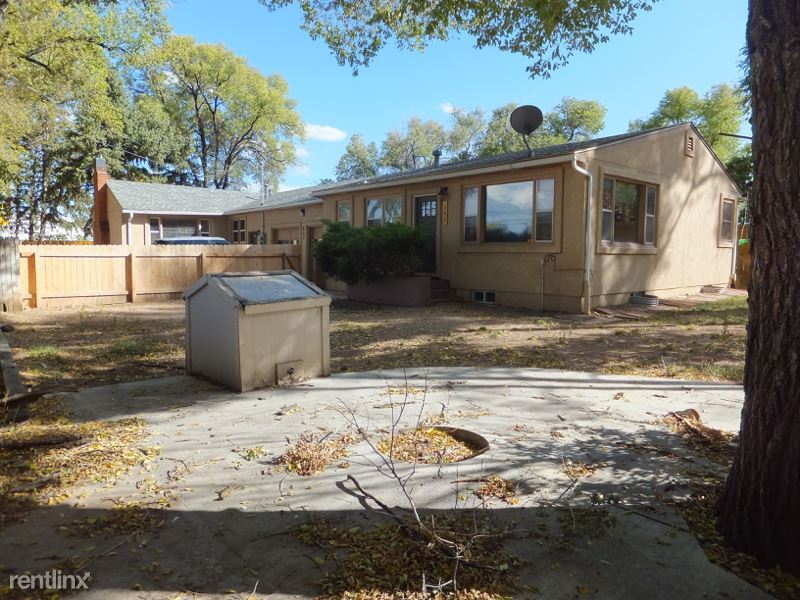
{"type": "Point", "coordinates": [575, 469]}
{"type": "Point", "coordinates": [499, 488]}
{"type": "Point", "coordinates": [384, 563]}
{"type": "Point", "coordinates": [43, 458]}
{"type": "Point", "coordinates": [714, 444]}
{"type": "Point", "coordinates": [310, 454]}
{"type": "Point", "coordinates": [426, 445]}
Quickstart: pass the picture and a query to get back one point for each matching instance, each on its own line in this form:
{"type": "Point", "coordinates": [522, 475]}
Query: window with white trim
{"type": "Point", "coordinates": [727, 224]}
{"type": "Point", "coordinates": [204, 228]}
{"type": "Point", "coordinates": [628, 212]}
{"type": "Point", "coordinates": [155, 229]}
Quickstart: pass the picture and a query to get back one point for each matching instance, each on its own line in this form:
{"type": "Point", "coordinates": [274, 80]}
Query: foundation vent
{"type": "Point", "coordinates": [483, 296]}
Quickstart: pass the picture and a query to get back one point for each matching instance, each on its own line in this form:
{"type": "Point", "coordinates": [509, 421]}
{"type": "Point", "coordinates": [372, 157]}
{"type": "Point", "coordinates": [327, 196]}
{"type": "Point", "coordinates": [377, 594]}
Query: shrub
{"type": "Point", "coordinates": [355, 254]}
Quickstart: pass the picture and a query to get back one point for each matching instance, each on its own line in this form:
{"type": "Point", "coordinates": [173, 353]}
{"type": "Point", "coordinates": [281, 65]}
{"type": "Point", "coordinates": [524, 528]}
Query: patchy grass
{"type": "Point", "coordinates": [93, 346]}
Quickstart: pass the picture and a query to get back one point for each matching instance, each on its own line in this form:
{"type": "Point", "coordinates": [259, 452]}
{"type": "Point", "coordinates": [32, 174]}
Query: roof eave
{"type": "Point", "coordinates": [438, 175]}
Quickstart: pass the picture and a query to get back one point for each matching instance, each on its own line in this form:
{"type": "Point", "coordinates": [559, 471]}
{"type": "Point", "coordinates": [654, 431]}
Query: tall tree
{"type": "Point", "coordinates": [413, 146]}
{"type": "Point", "coordinates": [233, 114]}
{"type": "Point", "coordinates": [61, 103]}
{"type": "Point", "coordinates": [758, 510]}
{"type": "Point", "coordinates": [719, 111]}
{"type": "Point", "coordinates": [466, 132]}
{"type": "Point", "coordinates": [359, 161]}
{"type": "Point", "coordinates": [573, 120]}
{"type": "Point", "coordinates": [570, 120]}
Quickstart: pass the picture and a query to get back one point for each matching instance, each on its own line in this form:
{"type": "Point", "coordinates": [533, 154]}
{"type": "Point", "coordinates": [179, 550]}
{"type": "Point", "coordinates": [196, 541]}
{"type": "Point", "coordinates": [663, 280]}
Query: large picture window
{"type": "Point", "coordinates": [628, 212]}
{"type": "Point", "coordinates": [516, 212]}
{"type": "Point", "coordinates": [383, 210]}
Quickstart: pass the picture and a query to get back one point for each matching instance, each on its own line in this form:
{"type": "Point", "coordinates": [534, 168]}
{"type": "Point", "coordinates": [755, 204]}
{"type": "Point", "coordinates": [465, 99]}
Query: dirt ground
{"type": "Point", "coordinates": [98, 345]}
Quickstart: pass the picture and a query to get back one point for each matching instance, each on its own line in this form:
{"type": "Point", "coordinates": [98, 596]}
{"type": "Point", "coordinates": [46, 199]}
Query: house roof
{"type": "Point", "coordinates": [154, 198]}
{"type": "Point", "coordinates": [490, 161]}
{"type": "Point", "coordinates": [159, 198]}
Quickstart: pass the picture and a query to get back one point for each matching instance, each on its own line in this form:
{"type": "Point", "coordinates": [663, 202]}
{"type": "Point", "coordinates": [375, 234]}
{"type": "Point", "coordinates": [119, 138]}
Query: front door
{"type": "Point", "coordinates": [425, 217]}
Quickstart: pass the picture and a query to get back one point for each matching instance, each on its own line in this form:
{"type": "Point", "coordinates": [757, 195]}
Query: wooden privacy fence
{"type": "Point", "coordinates": [52, 276]}
{"type": "Point", "coordinates": [10, 297]}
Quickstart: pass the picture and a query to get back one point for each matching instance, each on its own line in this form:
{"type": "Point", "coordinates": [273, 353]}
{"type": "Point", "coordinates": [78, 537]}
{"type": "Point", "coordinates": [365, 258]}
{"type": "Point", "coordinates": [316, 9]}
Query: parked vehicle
{"type": "Point", "coordinates": [194, 240]}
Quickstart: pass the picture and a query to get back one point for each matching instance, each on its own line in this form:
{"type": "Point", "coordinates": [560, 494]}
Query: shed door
{"type": "Point", "coordinates": [425, 218]}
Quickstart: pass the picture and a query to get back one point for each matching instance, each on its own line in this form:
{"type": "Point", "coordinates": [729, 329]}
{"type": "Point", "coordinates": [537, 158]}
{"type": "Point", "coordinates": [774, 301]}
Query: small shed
{"type": "Point", "coordinates": [251, 330]}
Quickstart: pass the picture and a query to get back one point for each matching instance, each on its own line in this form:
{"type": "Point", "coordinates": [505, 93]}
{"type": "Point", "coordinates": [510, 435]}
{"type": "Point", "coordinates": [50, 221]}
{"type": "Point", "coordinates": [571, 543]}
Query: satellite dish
{"type": "Point", "coordinates": [525, 120]}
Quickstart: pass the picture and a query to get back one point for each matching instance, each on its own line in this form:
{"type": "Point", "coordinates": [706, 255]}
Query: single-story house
{"type": "Point", "coordinates": [564, 227]}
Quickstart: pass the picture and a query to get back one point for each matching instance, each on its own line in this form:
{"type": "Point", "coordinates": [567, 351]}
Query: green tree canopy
{"type": "Point", "coordinates": [62, 102]}
{"type": "Point", "coordinates": [233, 114]}
{"type": "Point", "coordinates": [413, 146]}
{"type": "Point", "coordinates": [719, 111]}
{"type": "Point", "coordinates": [549, 33]}
{"type": "Point", "coordinates": [360, 160]}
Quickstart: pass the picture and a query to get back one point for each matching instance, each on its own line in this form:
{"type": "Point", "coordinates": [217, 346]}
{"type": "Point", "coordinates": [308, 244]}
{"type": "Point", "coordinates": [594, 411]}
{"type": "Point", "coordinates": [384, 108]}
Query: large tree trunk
{"type": "Point", "coordinates": [759, 511]}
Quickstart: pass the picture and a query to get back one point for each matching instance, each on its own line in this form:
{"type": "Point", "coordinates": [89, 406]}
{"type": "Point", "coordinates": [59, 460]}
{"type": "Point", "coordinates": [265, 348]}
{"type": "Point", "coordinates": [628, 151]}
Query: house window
{"type": "Point", "coordinates": [628, 212]}
{"type": "Point", "coordinates": [544, 201]}
{"type": "Point", "coordinates": [172, 228]}
{"type": "Point", "coordinates": [239, 231]}
{"type": "Point", "coordinates": [383, 210]}
{"type": "Point", "coordinates": [510, 212]}
{"type": "Point", "coordinates": [254, 237]}
{"type": "Point", "coordinates": [155, 229]}
{"type": "Point", "coordinates": [204, 230]}
{"type": "Point", "coordinates": [343, 212]}
{"type": "Point", "coordinates": [726, 230]}
{"type": "Point", "coordinates": [471, 197]}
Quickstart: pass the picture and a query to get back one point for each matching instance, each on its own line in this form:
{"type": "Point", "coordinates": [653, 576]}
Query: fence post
{"type": "Point", "coordinates": [130, 275]}
{"type": "Point", "coordinates": [201, 263]}
{"type": "Point", "coordinates": [36, 279]}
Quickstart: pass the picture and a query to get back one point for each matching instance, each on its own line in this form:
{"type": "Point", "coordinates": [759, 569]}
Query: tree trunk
{"type": "Point", "coordinates": [759, 510]}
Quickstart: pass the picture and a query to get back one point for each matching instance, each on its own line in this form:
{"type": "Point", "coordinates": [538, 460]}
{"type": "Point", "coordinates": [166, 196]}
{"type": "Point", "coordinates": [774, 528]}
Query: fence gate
{"type": "Point", "coordinates": [10, 298]}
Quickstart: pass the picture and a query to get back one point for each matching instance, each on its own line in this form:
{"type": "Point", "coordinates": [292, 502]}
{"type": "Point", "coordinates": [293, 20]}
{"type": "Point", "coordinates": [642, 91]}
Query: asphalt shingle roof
{"type": "Point", "coordinates": [499, 159]}
{"type": "Point", "coordinates": [155, 198]}
{"type": "Point", "coordinates": [165, 198]}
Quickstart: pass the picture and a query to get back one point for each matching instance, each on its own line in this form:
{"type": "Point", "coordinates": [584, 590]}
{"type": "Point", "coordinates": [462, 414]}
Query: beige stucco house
{"type": "Point", "coordinates": [564, 228]}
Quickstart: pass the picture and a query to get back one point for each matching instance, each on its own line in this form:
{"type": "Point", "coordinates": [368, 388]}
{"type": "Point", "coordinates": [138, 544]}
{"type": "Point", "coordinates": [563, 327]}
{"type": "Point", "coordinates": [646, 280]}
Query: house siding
{"type": "Point", "coordinates": [686, 256]}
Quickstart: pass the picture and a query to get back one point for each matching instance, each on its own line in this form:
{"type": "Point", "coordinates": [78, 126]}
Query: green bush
{"type": "Point", "coordinates": [355, 254]}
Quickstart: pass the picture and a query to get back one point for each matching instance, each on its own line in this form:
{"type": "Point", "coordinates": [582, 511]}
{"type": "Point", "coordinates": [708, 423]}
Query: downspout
{"type": "Point", "coordinates": [128, 228]}
{"type": "Point", "coordinates": [589, 236]}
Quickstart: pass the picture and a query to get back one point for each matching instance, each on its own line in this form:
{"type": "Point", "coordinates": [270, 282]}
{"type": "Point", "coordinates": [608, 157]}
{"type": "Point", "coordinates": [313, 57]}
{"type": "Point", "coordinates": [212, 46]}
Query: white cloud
{"type": "Point", "coordinates": [301, 152]}
{"type": "Point", "coordinates": [324, 133]}
{"type": "Point", "coordinates": [301, 169]}
{"type": "Point", "coordinates": [447, 107]}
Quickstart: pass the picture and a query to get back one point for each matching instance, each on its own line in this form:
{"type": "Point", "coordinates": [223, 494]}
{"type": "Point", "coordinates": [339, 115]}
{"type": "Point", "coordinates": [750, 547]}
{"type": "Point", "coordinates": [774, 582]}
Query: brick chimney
{"type": "Point", "coordinates": [100, 229]}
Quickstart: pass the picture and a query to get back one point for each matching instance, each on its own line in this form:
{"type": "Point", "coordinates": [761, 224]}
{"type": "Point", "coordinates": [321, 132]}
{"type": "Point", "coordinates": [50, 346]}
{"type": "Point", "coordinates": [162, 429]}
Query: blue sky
{"type": "Point", "coordinates": [681, 42]}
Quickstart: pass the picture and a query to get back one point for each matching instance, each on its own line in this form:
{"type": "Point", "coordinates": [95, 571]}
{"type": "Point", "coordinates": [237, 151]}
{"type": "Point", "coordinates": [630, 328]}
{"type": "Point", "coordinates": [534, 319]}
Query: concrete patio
{"type": "Point", "coordinates": [228, 527]}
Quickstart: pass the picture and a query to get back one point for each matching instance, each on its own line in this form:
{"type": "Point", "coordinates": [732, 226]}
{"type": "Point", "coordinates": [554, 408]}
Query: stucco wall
{"type": "Point", "coordinates": [512, 270]}
{"type": "Point", "coordinates": [687, 253]}
{"type": "Point", "coordinates": [685, 256]}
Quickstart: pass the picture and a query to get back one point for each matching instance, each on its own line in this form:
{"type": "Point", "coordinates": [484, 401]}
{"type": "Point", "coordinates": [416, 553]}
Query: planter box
{"type": "Point", "coordinates": [394, 291]}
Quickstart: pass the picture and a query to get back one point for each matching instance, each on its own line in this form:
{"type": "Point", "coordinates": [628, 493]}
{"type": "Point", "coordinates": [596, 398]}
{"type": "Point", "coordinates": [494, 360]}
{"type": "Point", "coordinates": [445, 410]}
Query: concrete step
{"type": "Point", "coordinates": [439, 284]}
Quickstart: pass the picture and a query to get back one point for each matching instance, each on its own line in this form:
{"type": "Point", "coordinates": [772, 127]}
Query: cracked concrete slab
{"type": "Point", "coordinates": [228, 527]}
